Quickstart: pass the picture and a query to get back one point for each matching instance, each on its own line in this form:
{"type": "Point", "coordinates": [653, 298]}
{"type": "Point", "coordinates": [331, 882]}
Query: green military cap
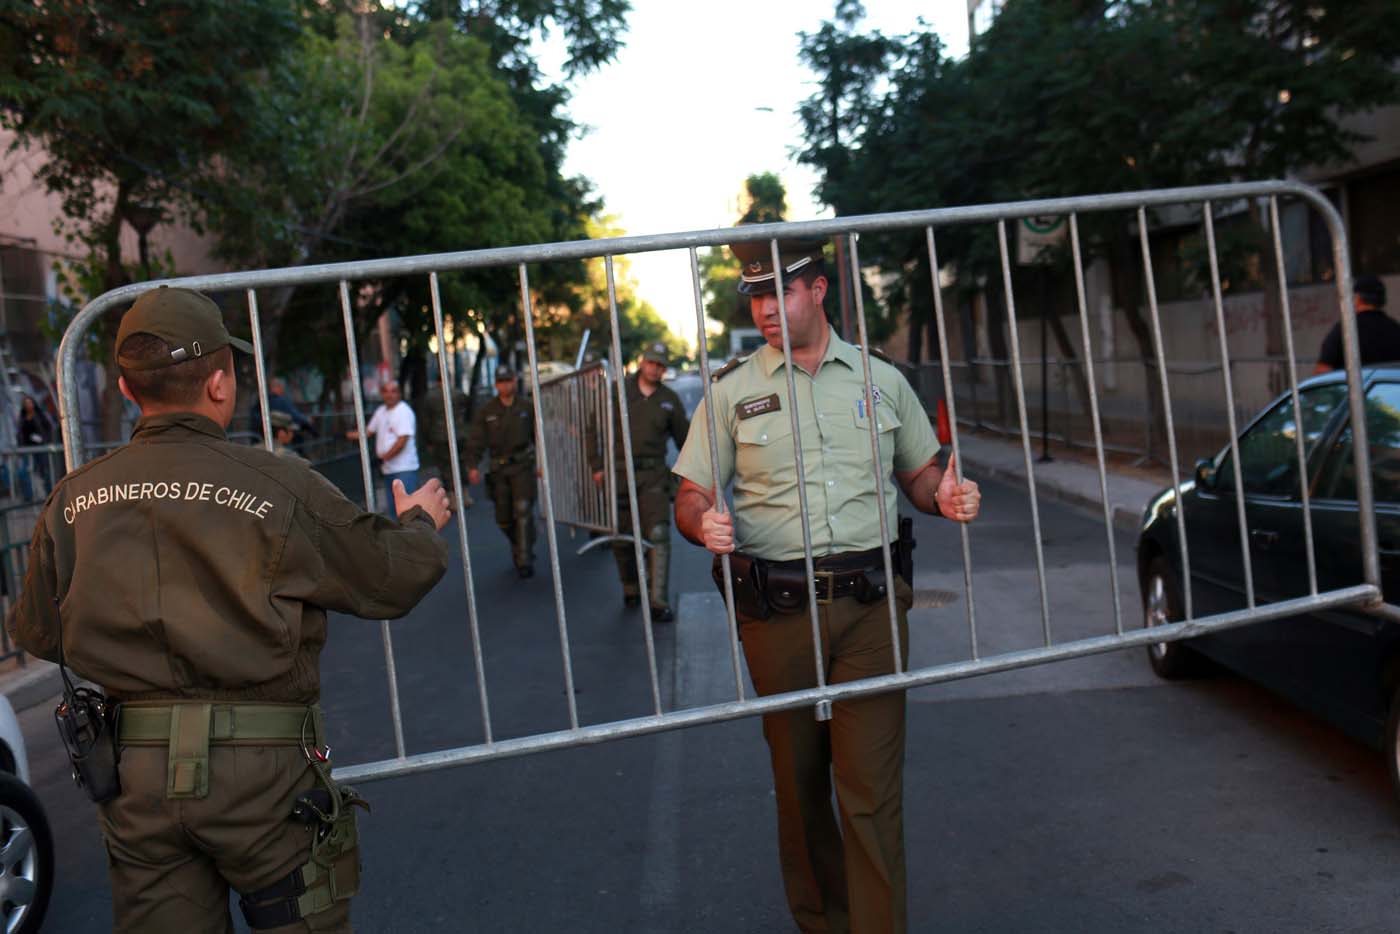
{"type": "Point", "coordinates": [656, 353]}
{"type": "Point", "coordinates": [505, 374]}
{"type": "Point", "coordinates": [281, 420]}
{"type": "Point", "coordinates": [188, 321]}
{"type": "Point", "coordinates": [756, 276]}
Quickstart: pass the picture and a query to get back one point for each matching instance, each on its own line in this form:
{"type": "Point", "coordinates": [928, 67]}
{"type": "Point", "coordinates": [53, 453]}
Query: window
{"type": "Point", "coordinates": [1383, 434]}
{"type": "Point", "coordinates": [1268, 451]}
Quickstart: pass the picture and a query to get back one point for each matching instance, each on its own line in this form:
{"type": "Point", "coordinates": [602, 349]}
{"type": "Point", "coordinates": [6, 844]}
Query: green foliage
{"type": "Point", "coordinates": [133, 103]}
{"type": "Point", "coordinates": [1065, 97]}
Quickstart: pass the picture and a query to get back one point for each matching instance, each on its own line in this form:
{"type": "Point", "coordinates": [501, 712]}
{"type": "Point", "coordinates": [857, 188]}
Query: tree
{"type": "Point", "coordinates": [1064, 97]}
{"type": "Point", "coordinates": [132, 105]}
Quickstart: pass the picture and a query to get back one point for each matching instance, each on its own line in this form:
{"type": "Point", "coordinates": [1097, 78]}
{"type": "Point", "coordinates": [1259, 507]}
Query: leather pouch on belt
{"type": "Point", "coordinates": [750, 585]}
{"type": "Point", "coordinates": [188, 775]}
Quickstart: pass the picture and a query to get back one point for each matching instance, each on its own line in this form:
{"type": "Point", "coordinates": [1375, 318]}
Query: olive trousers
{"type": "Point", "coordinates": [654, 497]}
{"type": "Point", "coordinates": [513, 491]}
{"type": "Point", "coordinates": [851, 880]}
{"type": "Point", "coordinates": [172, 861]}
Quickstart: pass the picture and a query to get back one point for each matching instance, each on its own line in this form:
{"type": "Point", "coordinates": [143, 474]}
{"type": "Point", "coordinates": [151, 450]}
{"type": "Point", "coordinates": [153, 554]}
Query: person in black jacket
{"type": "Point", "coordinates": [1377, 334]}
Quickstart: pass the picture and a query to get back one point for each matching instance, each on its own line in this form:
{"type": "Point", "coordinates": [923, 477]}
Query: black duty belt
{"type": "Point", "coordinates": [762, 588]}
{"type": "Point", "coordinates": [519, 457]}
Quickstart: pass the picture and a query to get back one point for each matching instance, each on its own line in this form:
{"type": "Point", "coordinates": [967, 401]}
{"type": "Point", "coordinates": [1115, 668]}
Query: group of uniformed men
{"type": "Point", "coordinates": [204, 624]}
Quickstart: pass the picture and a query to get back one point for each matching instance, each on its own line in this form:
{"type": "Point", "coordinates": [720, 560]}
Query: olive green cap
{"type": "Point", "coordinates": [188, 321]}
{"type": "Point", "coordinates": [505, 374]}
{"type": "Point", "coordinates": [656, 353]}
{"type": "Point", "coordinates": [281, 419]}
{"type": "Point", "coordinates": [756, 258]}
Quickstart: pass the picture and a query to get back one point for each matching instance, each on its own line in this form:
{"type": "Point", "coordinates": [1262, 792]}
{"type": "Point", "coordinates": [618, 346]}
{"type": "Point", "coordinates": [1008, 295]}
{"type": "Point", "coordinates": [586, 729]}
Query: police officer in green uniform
{"type": "Point", "coordinates": [505, 427]}
{"type": "Point", "coordinates": [190, 578]}
{"type": "Point", "coordinates": [850, 879]}
{"type": "Point", "coordinates": [283, 433]}
{"type": "Point", "coordinates": [654, 414]}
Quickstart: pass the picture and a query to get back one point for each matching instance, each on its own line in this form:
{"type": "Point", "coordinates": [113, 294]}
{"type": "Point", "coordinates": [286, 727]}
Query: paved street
{"type": "Point", "coordinates": [1087, 796]}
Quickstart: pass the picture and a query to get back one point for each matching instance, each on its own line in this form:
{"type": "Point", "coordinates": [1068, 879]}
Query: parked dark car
{"type": "Point", "coordinates": [1343, 665]}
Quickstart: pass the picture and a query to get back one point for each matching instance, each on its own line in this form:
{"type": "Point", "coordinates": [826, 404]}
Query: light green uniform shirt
{"type": "Point", "coordinates": [753, 428]}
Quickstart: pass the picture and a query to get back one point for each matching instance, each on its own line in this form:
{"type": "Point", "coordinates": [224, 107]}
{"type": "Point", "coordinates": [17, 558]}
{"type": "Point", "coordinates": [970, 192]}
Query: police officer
{"type": "Point", "coordinates": [851, 879]}
{"type": "Point", "coordinates": [283, 433]}
{"type": "Point", "coordinates": [505, 426]}
{"type": "Point", "coordinates": [190, 577]}
{"type": "Point", "coordinates": [654, 413]}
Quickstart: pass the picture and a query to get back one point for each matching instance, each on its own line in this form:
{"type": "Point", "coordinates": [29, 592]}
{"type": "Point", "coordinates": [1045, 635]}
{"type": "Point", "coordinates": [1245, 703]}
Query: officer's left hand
{"type": "Point", "coordinates": [957, 501]}
{"type": "Point", "coordinates": [431, 496]}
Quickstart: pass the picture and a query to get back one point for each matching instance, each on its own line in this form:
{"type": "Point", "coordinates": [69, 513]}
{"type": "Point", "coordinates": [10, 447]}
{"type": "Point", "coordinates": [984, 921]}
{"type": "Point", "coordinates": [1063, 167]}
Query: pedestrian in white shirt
{"type": "Point", "coordinates": [393, 426]}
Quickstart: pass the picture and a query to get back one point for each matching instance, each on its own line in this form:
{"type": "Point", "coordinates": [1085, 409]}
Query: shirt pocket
{"type": "Point", "coordinates": [889, 425]}
{"type": "Point", "coordinates": [763, 449]}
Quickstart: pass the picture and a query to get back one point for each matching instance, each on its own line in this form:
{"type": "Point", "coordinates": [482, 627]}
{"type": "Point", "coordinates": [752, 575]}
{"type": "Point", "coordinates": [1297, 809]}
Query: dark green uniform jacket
{"type": "Point", "coordinates": [186, 566]}
{"type": "Point", "coordinates": [652, 419]}
{"type": "Point", "coordinates": [508, 432]}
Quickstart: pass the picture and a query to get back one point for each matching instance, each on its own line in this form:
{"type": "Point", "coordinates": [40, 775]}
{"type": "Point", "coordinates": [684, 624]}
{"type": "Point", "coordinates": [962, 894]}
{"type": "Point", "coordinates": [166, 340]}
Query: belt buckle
{"type": "Point", "coordinates": [830, 578]}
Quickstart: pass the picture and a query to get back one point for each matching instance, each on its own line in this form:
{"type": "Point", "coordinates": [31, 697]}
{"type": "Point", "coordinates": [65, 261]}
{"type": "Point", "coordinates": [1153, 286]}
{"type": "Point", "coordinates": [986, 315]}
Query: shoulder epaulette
{"type": "Point", "coordinates": [729, 367]}
{"type": "Point", "coordinates": [879, 354]}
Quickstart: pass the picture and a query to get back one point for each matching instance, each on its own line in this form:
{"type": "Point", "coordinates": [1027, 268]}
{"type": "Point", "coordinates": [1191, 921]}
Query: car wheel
{"type": "Point", "coordinates": [26, 858]}
{"type": "Point", "coordinates": [1161, 604]}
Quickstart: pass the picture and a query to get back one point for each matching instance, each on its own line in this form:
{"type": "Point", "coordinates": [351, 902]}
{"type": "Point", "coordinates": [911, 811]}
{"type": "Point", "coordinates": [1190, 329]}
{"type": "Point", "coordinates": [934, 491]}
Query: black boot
{"type": "Point", "coordinates": [662, 614]}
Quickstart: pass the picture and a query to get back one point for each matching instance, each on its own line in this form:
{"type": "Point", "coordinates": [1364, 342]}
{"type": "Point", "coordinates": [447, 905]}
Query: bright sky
{"type": "Point", "coordinates": [703, 96]}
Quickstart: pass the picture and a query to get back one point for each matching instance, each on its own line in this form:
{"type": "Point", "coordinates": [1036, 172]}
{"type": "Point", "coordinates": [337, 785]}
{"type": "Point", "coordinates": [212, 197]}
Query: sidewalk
{"type": "Point", "coordinates": [1071, 477]}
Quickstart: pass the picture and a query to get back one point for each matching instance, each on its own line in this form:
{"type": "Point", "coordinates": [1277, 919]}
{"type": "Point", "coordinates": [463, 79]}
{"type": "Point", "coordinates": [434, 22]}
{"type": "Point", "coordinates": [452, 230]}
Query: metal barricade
{"type": "Point", "coordinates": [558, 455]}
{"type": "Point", "coordinates": [578, 423]}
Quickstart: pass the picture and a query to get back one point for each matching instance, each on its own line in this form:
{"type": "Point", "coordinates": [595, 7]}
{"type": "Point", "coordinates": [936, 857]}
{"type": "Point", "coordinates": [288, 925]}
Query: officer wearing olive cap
{"type": "Point", "coordinates": [1377, 333]}
{"type": "Point", "coordinates": [190, 578]}
{"type": "Point", "coordinates": [851, 878]}
{"type": "Point", "coordinates": [505, 427]}
{"type": "Point", "coordinates": [654, 414]}
{"type": "Point", "coordinates": [283, 433]}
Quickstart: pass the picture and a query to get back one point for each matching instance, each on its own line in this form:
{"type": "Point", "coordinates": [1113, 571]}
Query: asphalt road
{"type": "Point", "coordinates": [1085, 796]}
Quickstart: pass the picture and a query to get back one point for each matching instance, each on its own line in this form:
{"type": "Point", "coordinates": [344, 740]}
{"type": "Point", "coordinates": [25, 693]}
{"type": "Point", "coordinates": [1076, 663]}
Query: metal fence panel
{"type": "Point", "coordinates": [563, 406]}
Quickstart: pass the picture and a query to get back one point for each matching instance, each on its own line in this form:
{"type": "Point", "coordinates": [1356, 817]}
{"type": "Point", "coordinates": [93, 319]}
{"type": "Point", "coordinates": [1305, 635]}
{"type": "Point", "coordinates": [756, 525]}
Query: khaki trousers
{"type": "Point", "coordinates": [850, 881]}
{"type": "Point", "coordinates": [172, 861]}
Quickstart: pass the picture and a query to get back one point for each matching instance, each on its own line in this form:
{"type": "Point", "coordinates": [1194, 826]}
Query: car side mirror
{"type": "Point", "coordinates": [1205, 473]}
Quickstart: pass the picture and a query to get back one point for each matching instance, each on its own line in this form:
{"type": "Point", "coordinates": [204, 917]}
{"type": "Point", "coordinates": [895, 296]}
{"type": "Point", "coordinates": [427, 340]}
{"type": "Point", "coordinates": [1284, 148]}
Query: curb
{"type": "Point", "coordinates": [31, 685]}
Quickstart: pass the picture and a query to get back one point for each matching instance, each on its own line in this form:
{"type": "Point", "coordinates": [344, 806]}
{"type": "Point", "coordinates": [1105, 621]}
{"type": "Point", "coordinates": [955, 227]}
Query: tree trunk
{"type": "Point", "coordinates": [1127, 288]}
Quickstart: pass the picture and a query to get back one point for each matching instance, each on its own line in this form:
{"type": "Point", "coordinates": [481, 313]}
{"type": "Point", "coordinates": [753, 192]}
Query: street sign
{"type": "Point", "coordinates": [1037, 237]}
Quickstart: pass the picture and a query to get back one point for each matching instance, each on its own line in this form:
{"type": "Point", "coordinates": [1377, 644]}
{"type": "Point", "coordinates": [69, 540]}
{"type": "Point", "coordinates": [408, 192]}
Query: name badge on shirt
{"type": "Point", "coordinates": [761, 406]}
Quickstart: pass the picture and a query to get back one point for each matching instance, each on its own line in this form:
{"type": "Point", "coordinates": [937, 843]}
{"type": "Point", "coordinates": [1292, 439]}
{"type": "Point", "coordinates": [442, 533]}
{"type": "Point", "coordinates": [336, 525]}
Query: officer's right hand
{"type": "Point", "coordinates": [473, 477]}
{"type": "Point", "coordinates": [717, 531]}
{"type": "Point", "coordinates": [431, 496]}
{"type": "Point", "coordinates": [597, 478]}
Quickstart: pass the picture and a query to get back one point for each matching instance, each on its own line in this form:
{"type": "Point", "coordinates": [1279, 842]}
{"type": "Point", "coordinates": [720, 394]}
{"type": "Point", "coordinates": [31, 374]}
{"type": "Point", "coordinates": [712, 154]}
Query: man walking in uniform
{"type": "Point", "coordinates": [505, 426]}
{"type": "Point", "coordinates": [190, 577]}
{"type": "Point", "coordinates": [655, 413]}
{"type": "Point", "coordinates": [851, 879]}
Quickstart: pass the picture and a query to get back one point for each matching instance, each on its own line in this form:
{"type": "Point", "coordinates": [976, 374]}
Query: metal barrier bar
{"type": "Point", "coordinates": [1157, 346]}
{"type": "Point", "coordinates": [721, 505]}
{"type": "Point", "coordinates": [873, 425]}
{"type": "Point", "coordinates": [527, 310]}
{"type": "Point", "coordinates": [574, 411]}
{"type": "Point", "coordinates": [395, 713]}
{"type": "Point", "coordinates": [823, 709]}
{"type": "Point", "coordinates": [633, 504]}
{"type": "Point", "coordinates": [454, 464]}
{"type": "Point", "coordinates": [1025, 430]}
{"type": "Point", "coordinates": [260, 366]}
{"type": "Point", "coordinates": [1229, 404]}
{"type": "Point", "coordinates": [963, 533]}
{"type": "Point", "coordinates": [846, 690]}
{"type": "Point", "coordinates": [1095, 418]}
